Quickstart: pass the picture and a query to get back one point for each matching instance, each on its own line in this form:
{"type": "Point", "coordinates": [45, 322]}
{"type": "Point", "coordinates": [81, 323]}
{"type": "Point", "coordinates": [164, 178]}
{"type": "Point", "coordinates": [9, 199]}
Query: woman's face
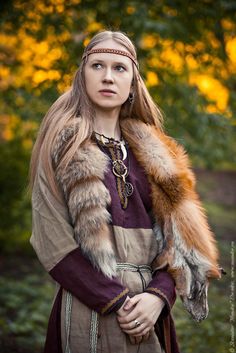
{"type": "Point", "coordinates": [108, 77]}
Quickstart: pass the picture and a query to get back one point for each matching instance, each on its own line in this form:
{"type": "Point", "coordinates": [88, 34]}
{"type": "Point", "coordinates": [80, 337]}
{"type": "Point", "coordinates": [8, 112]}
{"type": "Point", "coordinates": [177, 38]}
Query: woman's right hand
{"type": "Point", "coordinates": [133, 339]}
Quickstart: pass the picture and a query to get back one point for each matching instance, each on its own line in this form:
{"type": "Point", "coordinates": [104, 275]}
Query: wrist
{"type": "Point", "coordinates": [120, 311]}
{"type": "Point", "coordinates": [157, 299]}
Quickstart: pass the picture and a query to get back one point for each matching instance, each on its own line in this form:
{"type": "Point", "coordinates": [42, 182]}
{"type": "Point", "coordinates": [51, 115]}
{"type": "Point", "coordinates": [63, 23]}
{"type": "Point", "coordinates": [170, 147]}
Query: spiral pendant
{"type": "Point", "coordinates": [128, 189]}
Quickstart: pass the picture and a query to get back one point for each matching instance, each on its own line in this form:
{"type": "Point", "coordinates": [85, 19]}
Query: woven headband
{"type": "Point", "coordinates": [113, 51]}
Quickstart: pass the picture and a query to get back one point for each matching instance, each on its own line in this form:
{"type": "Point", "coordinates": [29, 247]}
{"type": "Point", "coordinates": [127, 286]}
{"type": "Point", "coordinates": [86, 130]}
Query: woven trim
{"type": "Point", "coordinates": [113, 301]}
{"type": "Point", "coordinates": [68, 308]}
{"type": "Point", "coordinates": [112, 51]}
{"type": "Point", "coordinates": [93, 332]}
{"type": "Point", "coordinates": [158, 291]}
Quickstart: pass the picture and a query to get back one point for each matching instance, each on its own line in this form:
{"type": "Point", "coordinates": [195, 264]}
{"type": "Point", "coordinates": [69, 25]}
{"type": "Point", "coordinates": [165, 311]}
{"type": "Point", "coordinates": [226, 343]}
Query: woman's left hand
{"type": "Point", "coordinates": [146, 310]}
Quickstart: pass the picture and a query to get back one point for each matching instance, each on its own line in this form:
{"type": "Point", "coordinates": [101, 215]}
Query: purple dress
{"type": "Point", "coordinates": [93, 299]}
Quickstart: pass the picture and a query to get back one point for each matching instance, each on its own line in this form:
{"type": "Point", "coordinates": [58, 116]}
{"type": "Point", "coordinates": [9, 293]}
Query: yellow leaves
{"type": "Point", "coordinates": [130, 10]}
{"type": "Point", "coordinates": [94, 27]}
{"type": "Point", "coordinates": [86, 41]}
{"type": "Point", "coordinates": [60, 8]}
{"type": "Point", "coordinates": [8, 41]}
{"type": "Point", "coordinates": [4, 72]}
{"type": "Point", "coordinates": [8, 124]}
{"type": "Point", "coordinates": [41, 76]}
{"type": "Point", "coordinates": [212, 89]}
{"type": "Point", "coordinates": [45, 9]}
{"type": "Point", "coordinates": [154, 62]}
{"type": "Point", "coordinates": [227, 24]}
{"type": "Point", "coordinates": [75, 2]}
{"type": "Point", "coordinates": [148, 41]}
{"type": "Point", "coordinates": [152, 79]}
{"type": "Point", "coordinates": [41, 48]}
{"type": "Point", "coordinates": [65, 83]}
{"type": "Point", "coordinates": [169, 56]}
{"type": "Point", "coordinates": [191, 62]}
{"type": "Point", "coordinates": [36, 59]}
{"type": "Point", "coordinates": [231, 51]}
{"type": "Point", "coordinates": [12, 125]}
{"type": "Point", "coordinates": [91, 28]}
{"type": "Point", "coordinates": [5, 77]}
{"type": "Point", "coordinates": [172, 59]}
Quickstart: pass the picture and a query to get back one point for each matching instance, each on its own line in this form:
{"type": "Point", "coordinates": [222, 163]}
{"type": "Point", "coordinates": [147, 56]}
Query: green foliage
{"type": "Point", "coordinates": [14, 203]}
{"type": "Point", "coordinates": [24, 311]}
{"type": "Point", "coordinates": [211, 335]}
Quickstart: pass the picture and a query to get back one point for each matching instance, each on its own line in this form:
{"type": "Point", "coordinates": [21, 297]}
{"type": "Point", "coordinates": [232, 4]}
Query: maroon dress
{"type": "Point", "coordinates": [93, 299]}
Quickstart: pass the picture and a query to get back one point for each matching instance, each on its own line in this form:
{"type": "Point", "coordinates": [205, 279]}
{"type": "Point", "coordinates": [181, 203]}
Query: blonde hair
{"type": "Point", "coordinates": [76, 103]}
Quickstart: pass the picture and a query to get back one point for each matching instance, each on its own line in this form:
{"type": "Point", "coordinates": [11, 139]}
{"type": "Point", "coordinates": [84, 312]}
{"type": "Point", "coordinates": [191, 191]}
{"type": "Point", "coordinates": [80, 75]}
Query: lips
{"type": "Point", "coordinates": [107, 91]}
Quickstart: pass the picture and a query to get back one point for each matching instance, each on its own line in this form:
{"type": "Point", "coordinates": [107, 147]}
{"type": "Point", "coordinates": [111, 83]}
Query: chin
{"type": "Point", "coordinates": [107, 106]}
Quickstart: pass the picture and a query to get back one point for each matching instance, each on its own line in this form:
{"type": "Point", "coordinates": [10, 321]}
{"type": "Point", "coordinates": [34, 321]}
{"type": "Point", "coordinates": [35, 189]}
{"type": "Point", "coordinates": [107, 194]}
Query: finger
{"type": "Point", "coordinates": [142, 333]}
{"type": "Point", "coordinates": [132, 339]}
{"type": "Point", "coordinates": [146, 336]}
{"type": "Point", "coordinates": [131, 316]}
{"type": "Point", "coordinates": [138, 339]}
{"type": "Point", "coordinates": [131, 302]}
{"type": "Point", "coordinates": [131, 325]}
{"type": "Point", "coordinates": [135, 340]}
{"type": "Point", "coordinates": [137, 331]}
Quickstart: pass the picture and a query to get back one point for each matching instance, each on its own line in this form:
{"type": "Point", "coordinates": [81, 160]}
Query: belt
{"type": "Point", "coordinates": [135, 268]}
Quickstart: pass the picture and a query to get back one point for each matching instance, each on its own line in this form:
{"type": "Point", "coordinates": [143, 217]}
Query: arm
{"type": "Point", "coordinates": [53, 240]}
{"type": "Point", "coordinates": [163, 286]}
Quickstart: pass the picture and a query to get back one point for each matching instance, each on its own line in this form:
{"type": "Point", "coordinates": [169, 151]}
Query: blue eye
{"type": "Point", "coordinates": [96, 66]}
{"type": "Point", "coordinates": [120, 68]}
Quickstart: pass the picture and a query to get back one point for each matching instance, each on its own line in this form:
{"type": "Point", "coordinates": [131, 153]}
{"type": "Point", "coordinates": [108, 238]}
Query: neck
{"type": "Point", "coordinates": [107, 123]}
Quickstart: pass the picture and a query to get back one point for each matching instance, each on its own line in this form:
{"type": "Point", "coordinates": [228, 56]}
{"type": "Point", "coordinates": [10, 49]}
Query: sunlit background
{"type": "Point", "coordinates": [187, 55]}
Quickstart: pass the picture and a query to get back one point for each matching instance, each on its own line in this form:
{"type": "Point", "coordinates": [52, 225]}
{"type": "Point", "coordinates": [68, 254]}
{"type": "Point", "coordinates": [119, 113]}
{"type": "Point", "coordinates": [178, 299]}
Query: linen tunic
{"type": "Point", "coordinates": [81, 323]}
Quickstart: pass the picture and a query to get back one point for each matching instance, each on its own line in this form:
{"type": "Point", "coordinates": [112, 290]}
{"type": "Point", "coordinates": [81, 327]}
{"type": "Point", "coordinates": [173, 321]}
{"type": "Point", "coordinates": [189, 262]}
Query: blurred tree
{"type": "Point", "coordinates": [187, 56]}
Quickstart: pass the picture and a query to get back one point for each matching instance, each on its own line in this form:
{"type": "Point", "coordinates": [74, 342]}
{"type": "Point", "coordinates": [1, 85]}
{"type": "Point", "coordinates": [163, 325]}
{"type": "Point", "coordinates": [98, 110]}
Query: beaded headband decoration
{"type": "Point", "coordinates": [112, 51]}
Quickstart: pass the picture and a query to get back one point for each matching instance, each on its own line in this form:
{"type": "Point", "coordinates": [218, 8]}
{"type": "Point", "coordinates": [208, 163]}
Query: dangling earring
{"type": "Point", "coordinates": [131, 98]}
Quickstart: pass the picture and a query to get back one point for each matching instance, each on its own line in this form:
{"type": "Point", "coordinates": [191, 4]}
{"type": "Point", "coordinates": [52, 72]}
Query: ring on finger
{"type": "Point", "coordinates": [137, 323]}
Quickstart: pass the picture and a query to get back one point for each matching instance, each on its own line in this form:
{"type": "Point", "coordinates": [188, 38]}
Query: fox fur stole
{"type": "Point", "coordinates": [186, 244]}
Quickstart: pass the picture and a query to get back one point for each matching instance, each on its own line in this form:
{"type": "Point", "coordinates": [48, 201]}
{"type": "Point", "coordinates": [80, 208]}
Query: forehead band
{"type": "Point", "coordinates": [112, 51]}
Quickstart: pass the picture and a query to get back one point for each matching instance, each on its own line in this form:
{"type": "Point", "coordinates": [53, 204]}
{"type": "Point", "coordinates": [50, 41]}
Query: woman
{"type": "Point", "coordinates": [116, 220]}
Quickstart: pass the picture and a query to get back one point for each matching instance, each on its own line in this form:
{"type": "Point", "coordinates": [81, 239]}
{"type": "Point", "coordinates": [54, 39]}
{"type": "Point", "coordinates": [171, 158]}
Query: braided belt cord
{"type": "Point", "coordinates": [135, 268]}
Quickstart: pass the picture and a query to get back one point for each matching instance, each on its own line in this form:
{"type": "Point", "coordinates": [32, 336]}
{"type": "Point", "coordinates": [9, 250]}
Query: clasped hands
{"type": "Point", "coordinates": [138, 315]}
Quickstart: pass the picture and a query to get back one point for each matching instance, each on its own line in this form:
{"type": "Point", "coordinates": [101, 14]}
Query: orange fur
{"type": "Point", "coordinates": [173, 188]}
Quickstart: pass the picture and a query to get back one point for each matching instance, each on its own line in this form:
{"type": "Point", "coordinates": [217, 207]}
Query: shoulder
{"type": "Point", "coordinates": [155, 145]}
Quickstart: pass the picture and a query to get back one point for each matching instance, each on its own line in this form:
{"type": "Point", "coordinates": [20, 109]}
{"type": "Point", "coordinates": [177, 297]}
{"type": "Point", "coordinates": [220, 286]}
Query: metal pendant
{"type": "Point", "coordinates": [128, 189]}
{"type": "Point", "coordinates": [123, 149]}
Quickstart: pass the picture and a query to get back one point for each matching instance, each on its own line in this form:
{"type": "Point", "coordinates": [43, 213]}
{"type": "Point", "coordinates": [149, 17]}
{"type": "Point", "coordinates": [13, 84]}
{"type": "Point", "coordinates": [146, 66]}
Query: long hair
{"type": "Point", "coordinates": [75, 104]}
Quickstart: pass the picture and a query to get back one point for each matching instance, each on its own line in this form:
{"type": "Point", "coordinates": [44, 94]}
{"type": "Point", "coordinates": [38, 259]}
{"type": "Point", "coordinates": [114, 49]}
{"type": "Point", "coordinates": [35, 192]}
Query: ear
{"type": "Point", "coordinates": [215, 273]}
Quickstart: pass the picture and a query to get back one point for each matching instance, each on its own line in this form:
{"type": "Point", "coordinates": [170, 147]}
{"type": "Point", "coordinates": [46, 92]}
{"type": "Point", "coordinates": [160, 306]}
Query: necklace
{"type": "Point", "coordinates": [106, 140]}
{"type": "Point", "coordinates": [119, 169]}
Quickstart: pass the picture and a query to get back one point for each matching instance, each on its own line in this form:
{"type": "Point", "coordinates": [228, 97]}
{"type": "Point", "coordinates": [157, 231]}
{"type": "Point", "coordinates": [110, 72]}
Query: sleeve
{"type": "Point", "coordinates": [53, 241]}
{"type": "Point", "coordinates": [163, 286]}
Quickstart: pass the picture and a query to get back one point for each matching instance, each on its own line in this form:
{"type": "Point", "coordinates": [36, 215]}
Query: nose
{"type": "Point", "coordinates": [108, 77]}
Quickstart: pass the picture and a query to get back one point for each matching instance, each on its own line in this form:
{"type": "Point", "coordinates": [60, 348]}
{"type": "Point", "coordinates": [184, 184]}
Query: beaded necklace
{"type": "Point", "coordinates": [117, 153]}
